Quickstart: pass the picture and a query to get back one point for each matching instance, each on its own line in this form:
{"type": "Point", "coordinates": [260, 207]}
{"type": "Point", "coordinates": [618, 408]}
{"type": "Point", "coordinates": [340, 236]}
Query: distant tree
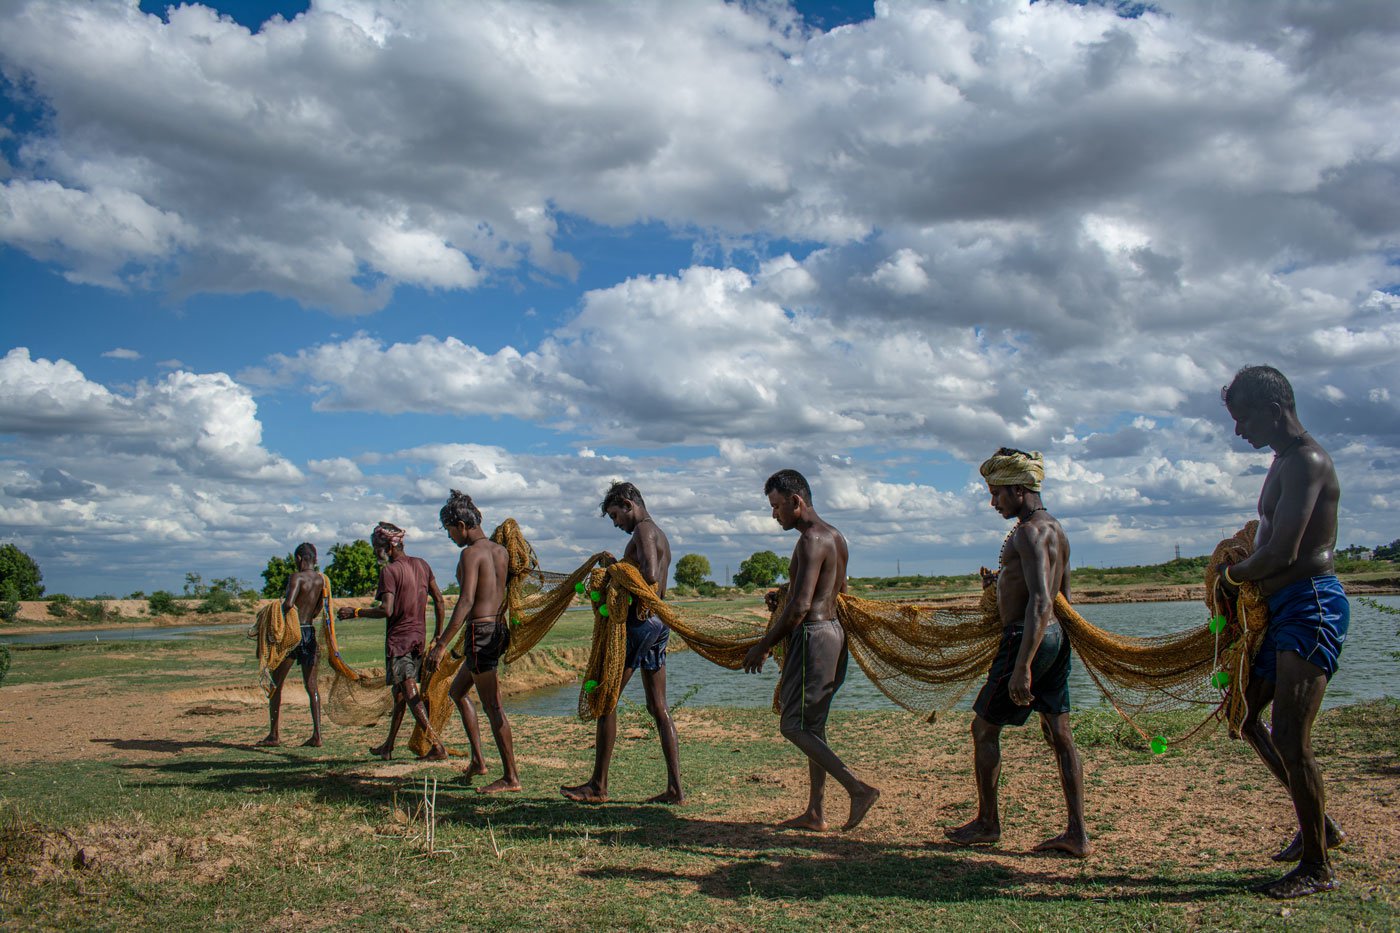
{"type": "Point", "coordinates": [276, 574]}
{"type": "Point", "coordinates": [692, 569]}
{"type": "Point", "coordinates": [9, 601]}
{"type": "Point", "coordinates": [136, 594]}
{"type": "Point", "coordinates": [353, 570]}
{"type": "Point", "coordinates": [20, 569]}
{"type": "Point", "coordinates": [1389, 551]}
{"type": "Point", "coordinates": [762, 568]}
{"type": "Point", "coordinates": [194, 585]}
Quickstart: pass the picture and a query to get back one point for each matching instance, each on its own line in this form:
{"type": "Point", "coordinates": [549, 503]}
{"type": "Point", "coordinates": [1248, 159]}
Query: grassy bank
{"type": "Point", "coordinates": [130, 798]}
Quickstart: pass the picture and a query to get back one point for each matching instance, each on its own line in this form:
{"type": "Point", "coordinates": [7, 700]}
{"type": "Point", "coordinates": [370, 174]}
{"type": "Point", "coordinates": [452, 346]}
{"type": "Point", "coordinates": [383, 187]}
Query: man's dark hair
{"type": "Point", "coordinates": [460, 508]}
{"type": "Point", "coordinates": [305, 551]}
{"type": "Point", "coordinates": [789, 483]}
{"type": "Point", "coordinates": [619, 493]}
{"type": "Point", "coordinates": [1254, 386]}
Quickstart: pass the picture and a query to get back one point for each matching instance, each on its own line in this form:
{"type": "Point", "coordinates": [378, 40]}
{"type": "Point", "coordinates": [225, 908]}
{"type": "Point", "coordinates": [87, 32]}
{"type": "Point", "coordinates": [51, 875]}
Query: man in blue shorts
{"type": "Point", "coordinates": [1308, 612]}
{"type": "Point", "coordinates": [647, 638]}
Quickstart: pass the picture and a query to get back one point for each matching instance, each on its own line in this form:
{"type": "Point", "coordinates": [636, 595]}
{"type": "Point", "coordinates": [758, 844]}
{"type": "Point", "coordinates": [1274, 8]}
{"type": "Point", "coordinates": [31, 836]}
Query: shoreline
{"type": "Point", "coordinates": [32, 621]}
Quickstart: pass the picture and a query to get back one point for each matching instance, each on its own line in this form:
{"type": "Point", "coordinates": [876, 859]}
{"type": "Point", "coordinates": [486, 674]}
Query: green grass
{"type": "Point", "coordinates": [212, 835]}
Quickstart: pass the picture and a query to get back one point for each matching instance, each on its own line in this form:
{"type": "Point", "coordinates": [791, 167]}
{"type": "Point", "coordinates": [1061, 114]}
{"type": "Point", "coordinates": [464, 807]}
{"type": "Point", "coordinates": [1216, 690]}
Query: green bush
{"type": "Point", "coordinates": [94, 610]}
{"type": "Point", "coordinates": [162, 603]}
{"type": "Point", "coordinates": [218, 600]}
{"type": "Point", "coordinates": [61, 606]}
{"type": "Point", "coordinates": [9, 601]}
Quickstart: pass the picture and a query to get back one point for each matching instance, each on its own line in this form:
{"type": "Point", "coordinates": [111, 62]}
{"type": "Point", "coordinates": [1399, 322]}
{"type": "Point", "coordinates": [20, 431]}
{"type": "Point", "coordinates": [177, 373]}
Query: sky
{"type": "Point", "coordinates": [275, 272]}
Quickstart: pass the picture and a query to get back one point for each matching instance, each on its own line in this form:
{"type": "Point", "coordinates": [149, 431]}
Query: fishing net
{"type": "Point", "coordinates": [535, 600]}
{"type": "Point", "coordinates": [926, 658]}
{"type": "Point", "coordinates": [277, 634]}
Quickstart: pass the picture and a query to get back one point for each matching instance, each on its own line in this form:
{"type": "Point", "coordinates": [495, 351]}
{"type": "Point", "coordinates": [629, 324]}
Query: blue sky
{"type": "Point", "coordinates": [268, 281]}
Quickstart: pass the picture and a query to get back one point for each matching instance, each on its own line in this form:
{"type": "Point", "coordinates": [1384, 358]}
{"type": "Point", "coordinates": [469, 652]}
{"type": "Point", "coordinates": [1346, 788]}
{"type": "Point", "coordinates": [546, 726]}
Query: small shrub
{"type": "Point", "coordinates": [9, 601]}
{"type": "Point", "coordinates": [94, 610]}
{"type": "Point", "coordinates": [138, 594]}
{"type": "Point", "coordinates": [162, 603]}
{"type": "Point", "coordinates": [61, 606]}
{"type": "Point", "coordinates": [218, 600]}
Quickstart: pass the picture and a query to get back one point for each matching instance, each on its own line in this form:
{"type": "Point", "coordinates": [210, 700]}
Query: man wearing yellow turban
{"type": "Point", "coordinates": [1031, 669]}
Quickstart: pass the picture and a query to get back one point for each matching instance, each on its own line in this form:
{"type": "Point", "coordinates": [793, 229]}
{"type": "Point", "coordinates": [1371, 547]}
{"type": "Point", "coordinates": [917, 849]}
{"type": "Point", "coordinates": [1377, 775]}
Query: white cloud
{"type": "Point", "coordinates": [121, 353]}
{"type": "Point", "coordinates": [365, 145]}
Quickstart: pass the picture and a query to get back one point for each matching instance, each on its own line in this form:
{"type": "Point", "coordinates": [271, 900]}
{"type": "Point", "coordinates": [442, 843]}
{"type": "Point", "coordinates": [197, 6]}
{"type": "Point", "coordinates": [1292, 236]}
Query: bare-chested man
{"type": "Point", "coordinates": [647, 638]}
{"type": "Point", "coordinates": [1308, 612]}
{"type": "Point", "coordinates": [481, 576]}
{"type": "Point", "coordinates": [405, 583]}
{"type": "Point", "coordinates": [305, 590]}
{"type": "Point", "coordinates": [1031, 669]}
{"type": "Point", "coordinates": [814, 663]}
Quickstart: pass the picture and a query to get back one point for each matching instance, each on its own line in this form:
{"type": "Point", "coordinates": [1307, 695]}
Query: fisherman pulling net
{"type": "Point", "coordinates": [926, 658]}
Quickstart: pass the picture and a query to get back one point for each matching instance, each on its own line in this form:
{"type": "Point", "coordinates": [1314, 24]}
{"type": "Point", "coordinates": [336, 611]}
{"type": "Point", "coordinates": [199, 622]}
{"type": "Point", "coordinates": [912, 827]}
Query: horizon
{"type": "Point", "coordinates": [278, 271]}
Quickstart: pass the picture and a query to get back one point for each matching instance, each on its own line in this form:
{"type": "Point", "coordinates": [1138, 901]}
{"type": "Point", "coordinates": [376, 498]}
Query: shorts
{"type": "Point", "coordinates": [305, 652]}
{"type": "Point", "coordinates": [646, 644]}
{"type": "Point", "coordinates": [486, 642]}
{"type": "Point", "coordinates": [402, 668]}
{"type": "Point", "coordinates": [1310, 617]}
{"type": "Point", "coordinates": [814, 668]}
{"type": "Point", "coordinates": [1049, 679]}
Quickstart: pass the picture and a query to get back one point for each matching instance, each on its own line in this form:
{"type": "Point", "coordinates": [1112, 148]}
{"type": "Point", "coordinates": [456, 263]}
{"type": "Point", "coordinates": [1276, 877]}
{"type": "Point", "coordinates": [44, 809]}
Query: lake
{"type": "Point", "coordinates": [1368, 666]}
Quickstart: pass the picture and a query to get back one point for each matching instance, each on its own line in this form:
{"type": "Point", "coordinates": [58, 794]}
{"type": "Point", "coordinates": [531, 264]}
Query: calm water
{"type": "Point", "coordinates": [1368, 668]}
{"type": "Point", "coordinates": [127, 633]}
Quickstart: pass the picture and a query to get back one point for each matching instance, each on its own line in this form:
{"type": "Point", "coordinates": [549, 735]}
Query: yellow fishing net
{"type": "Point", "coordinates": [276, 635]}
{"type": "Point", "coordinates": [926, 658]}
{"type": "Point", "coordinates": [535, 600]}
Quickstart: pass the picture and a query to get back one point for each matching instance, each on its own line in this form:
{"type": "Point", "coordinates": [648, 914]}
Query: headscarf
{"type": "Point", "coordinates": [1012, 467]}
{"type": "Point", "coordinates": [386, 535]}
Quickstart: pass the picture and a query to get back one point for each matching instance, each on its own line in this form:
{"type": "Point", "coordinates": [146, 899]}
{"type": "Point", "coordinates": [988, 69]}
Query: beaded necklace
{"type": "Point", "coordinates": [1006, 542]}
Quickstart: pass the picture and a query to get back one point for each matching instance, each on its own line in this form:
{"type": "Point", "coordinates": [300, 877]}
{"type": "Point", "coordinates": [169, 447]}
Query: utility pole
{"type": "Point", "coordinates": [1178, 552]}
{"type": "Point", "coordinates": [897, 571]}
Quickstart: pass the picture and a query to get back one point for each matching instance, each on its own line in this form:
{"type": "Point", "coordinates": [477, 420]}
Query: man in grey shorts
{"type": "Point", "coordinates": [814, 665]}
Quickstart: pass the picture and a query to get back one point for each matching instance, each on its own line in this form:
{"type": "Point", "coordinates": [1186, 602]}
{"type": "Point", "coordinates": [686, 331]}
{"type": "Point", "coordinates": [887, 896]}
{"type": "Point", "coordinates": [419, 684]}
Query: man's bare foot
{"type": "Point", "coordinates": [976, 833]}
{"type": "Point", "coordinates": [808, 821]}
{"type": "Point", "coordinates": [267, 741]}
{"type": "Point", "coordinates": [585, 793]}
{"type": "Point", "coordinates": [860, 805]}
{"type": "Point", "coordinates": [668, 796]}
{"type": "Point", "coordinates": [385, 751]}
{"type": "Point", "coordinates": [1302, 881]}
{"type": "Point", "coordinates": [1294, 850]}
{"type": "Point", "coordinates": [475, 768]}
{"type": "Point", "coordinates": [499, 786]}
{"type": "Point", "coordinates": [313, 742]}
{"type": "Point", "coordinates": [437, 753]}
{"type": "Point", "coordinates": [1076, 844]}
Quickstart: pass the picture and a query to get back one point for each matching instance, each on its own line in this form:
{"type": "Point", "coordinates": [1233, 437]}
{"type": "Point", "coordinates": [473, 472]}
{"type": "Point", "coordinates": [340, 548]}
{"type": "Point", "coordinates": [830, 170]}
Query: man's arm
{"type": "Point", "coordinates": [466, 573]}
{"type": "Point", "coordinates": [808, 557]}
{"type": "Point", "coordinates": [382, 611]}
{"type": "Point", "coordinates": [1034, 547]}
{"type": "Point", "coordinates": [649, 556]}
{"type": "Point", "coordinates": [1301, 480]}
{"type": "Point", "coordinates": [290, 594]}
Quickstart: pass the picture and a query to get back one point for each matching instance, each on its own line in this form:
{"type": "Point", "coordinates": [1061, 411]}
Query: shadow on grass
{"type": "Point", "coordinates": [169, 746]}
{"type": "Point", "coordinates": [724, 859]}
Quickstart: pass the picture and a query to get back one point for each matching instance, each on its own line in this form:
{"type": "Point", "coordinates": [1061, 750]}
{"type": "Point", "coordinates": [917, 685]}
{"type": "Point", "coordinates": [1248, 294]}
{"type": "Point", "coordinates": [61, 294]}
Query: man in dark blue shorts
{"type": "Point", "coordinates": [1031, 669]}
{"type": "Point", "coordinates": [647, 638]}
{"type": "Point", "coordinates": [306, 593]}
{"type": "Point", "coordinates": [1308, 612]}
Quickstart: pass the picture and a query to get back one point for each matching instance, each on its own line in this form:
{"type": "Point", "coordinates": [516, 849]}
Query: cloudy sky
{"type": "Point", "coordinates": [274, 273]}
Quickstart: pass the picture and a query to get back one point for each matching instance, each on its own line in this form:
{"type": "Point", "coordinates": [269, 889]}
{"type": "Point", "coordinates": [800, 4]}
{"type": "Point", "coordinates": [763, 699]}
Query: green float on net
{"type": "Point", "coordinates": [1159, 745]}
{"type": "Point", "coordinates": [595, 596]}
{"type": "Point", "coordinates": [589, 686]}
{"type": "Point", "coordinates": [578, 587]}
{"type": "Point", "coordinates": [515, 622]}
{"type": "Point", "coordinates": [1220, 680]}
{"type": "Point", "coordinates": [629, 600]}
{"type": "Point", "coordinates": [1217, 624]}
{"type": "Point", "coordinates": [603, 611]}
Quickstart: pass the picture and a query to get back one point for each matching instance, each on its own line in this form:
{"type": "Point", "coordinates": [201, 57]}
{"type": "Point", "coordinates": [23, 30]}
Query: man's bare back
{"type": "Point", "coordinates": [484, 566]}
{"type": "Point", "coordinates": [306, 593]}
